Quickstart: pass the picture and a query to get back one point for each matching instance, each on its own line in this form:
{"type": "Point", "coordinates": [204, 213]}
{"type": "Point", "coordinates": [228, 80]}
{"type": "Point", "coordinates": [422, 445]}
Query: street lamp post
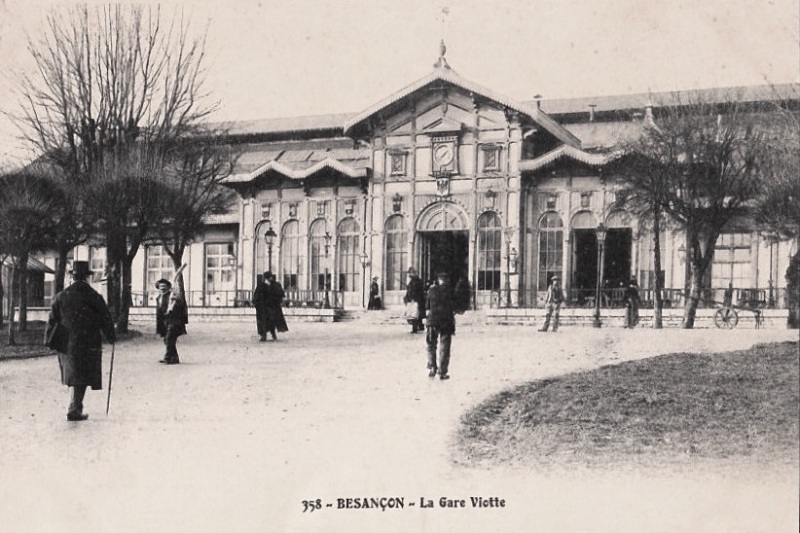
{"type": "Point", "coordinates": [269, 238]}
{"type": "Point", "coordinates": [364, 264]}
{"type": "Point", "coordinates": [327, 304]}
{"type": "Point", "coordinates": [601, 239]}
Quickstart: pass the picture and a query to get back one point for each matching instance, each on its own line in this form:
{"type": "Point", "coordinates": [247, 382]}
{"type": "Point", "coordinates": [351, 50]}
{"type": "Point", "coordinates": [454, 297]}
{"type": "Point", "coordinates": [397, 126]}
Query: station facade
{"type": "Point", "coordinates": [445, 175]}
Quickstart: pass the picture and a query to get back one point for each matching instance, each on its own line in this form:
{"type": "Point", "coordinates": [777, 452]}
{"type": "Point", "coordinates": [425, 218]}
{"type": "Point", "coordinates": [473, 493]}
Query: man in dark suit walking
{"type": "Point", "coordinates": [442, 307]}
{"type": "Point", "coordinates": [78, 315]}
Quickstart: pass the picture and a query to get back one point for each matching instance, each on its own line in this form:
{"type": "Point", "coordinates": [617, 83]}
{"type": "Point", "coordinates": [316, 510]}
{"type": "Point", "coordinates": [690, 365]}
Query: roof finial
{"type": "Point", "coordinates": [442, 62]}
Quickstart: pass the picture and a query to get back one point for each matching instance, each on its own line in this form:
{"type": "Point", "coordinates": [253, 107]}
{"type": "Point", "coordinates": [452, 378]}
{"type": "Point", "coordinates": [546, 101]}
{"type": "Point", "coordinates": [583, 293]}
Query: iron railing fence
{"type": "Point", "coordinates": [244, 298]}
{"type": "Point", "coordinates": [614, 298]}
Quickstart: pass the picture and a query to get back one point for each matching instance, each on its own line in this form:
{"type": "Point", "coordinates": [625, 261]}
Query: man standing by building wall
{"type": "Point", "coordinates": [78, 315]}
{"type": "Point", "coordinates": [553, 301]}
{"type": "Point", "coordinates": [171, 317]}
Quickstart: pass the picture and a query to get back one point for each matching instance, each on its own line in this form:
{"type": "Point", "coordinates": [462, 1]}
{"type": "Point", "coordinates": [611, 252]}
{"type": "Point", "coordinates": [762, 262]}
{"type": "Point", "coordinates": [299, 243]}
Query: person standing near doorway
{"type": "Point", "coordinates": [552, 302]}
{"type": "Point", "coordinates": [415, 292]}
{"type": "Point", "coordinates": [78, 315]}
{"type": "Point", "coordinates": [441, 321]}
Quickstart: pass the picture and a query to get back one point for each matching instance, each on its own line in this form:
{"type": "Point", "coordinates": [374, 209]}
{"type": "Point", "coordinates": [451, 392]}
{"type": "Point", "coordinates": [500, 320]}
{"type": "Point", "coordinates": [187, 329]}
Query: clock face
{"type": "Point", "coordinates": [443, 155]}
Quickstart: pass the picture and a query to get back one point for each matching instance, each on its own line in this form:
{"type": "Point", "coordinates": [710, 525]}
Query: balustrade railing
{"type": "Point", "coordinates": [243, 298]}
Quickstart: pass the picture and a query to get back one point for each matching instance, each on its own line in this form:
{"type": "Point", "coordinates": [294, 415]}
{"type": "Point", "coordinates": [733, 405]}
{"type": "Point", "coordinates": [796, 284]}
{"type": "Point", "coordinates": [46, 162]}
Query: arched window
{"type": "Point", "coordinates": [290, 255]}
{"type": "Point", "coordinates": [489, 252]}
{"type": "Point", "coordinates": [318, 255]}
{"type": "Point", "coordinates": [395, 253]}
{"type": "Point", "coordinates": [551, 247]}
{"type": "Point", "coordinates": [347, 249]}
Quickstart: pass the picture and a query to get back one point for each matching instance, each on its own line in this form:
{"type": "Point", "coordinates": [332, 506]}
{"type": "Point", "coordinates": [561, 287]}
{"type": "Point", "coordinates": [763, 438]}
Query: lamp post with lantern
{"type": "Point", "coordinates": [511, 264]}
{"type": "Point", "coordinates": [601, 240]}
{"type": "Point", "coordinates": [327, 303]}
{"type": "Point", "coordinates": [364, 264]}
{"type": "Point", "coordinates": [269, 238]}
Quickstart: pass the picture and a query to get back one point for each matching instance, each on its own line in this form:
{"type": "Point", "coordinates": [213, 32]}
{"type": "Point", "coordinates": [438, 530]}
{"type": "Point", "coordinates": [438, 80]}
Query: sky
{"type": "Point", "coordinates": [278, 58]}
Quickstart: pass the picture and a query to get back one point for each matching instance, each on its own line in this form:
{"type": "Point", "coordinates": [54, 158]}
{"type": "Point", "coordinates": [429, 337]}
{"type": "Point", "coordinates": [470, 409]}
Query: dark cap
{"type": "Point", "coordinates": [80, 269]}
{"type": "Point", "coordinates": [163, 281]}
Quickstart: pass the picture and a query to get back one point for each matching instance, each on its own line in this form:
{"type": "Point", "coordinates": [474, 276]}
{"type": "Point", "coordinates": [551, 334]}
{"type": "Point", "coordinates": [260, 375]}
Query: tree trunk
{"type": "Point", "coordinates": [23, 292]}
{"type": "Point", "coordinates": [2, 295]}
{"type": "Point", "coordinates": [658, 322]}
{"type": "Point", "coordinates": [793, 292]}
{"type": "Point", "coordinates": [11, 302]}
{"type": "Point", "coordinates": [114, 255]}
{"type": "Point", "coordinates": [127, 297]}
{"type": "Point", "coordinates": [177, 261]}
{"type": "Point", "coordinates": [690, 310]}
{"type": "Point", "coordinates": [61, 269]}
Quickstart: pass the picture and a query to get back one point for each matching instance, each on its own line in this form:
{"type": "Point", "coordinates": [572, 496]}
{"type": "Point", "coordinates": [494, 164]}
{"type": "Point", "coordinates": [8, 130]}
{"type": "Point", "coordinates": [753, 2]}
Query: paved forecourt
{"type": "Point", "coordinates": [240, 434]}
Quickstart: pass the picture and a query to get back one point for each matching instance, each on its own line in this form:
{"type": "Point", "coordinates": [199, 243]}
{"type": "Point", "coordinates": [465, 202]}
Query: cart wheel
{"type": "Point", "coordinates": [726, 318]}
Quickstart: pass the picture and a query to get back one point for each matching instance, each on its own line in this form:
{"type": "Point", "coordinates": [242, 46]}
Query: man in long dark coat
{"type": "Point", "coordinates": [415, 292]}
{"type": "Point", "coordinates": [78, 315]}
{"type": "Point", "coordinates": [442, 307]}
{"type": "Point", "coordinates": [171, 318]}
{"type": "Point", "coordinates": [273, 298]}
{"type": "Point", "coordinates": [260, 304]}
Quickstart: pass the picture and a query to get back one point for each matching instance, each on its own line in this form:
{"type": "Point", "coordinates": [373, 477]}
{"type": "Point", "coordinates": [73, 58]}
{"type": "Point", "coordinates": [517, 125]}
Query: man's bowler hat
{"type": "Point", "coordinates": [163, 281]}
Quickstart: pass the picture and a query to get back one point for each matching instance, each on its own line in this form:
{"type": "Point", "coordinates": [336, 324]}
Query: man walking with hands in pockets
{"type": "Point", "coordinates": [442, 307]}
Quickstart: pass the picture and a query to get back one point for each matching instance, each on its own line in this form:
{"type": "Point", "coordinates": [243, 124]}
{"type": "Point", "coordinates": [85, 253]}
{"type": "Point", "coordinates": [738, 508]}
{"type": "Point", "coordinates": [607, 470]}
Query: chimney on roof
{"type": "Point", "coordinates": [591, 112]}
{"type": "Point", "coordinates": [538, 98]}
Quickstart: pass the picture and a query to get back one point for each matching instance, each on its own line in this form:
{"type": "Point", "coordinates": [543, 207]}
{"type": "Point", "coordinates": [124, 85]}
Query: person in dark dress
{"type": "Point", "coordinates": [415, 292]}
{"type": "Point", "coordinates": [273, 300]}
{"type": "Point", "coordinates": [260, 304]}
{"type": "Point", "coordinates": [77, 318]}
{"type": "Point", "coordinates": [442, 306]}
{"type": "Point", "coordinates": [632, 303]}
{"type": "Point", "coordinates": [375, 302]}
{"type": "Point", "coordinates": [171, 318]}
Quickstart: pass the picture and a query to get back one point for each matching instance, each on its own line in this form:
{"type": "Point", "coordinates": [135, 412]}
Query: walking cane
{"type": "Point", "coordinates": [110, 375]}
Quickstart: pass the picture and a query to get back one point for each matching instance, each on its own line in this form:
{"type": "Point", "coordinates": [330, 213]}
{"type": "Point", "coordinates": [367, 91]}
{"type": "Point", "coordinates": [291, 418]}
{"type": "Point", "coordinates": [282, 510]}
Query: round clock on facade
{"type": "Point", "coordinates": [443, 155]}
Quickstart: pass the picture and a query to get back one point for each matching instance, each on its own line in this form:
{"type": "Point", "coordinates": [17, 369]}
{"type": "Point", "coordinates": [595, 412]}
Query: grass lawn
{"type": "Point", "coordinates": [30, 343]}
{"type": "Point", "coordinates": [674, 409]}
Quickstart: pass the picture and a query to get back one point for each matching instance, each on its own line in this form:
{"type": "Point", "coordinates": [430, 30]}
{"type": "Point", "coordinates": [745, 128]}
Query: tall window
{"type": "Point", "coordinates": [347, 250]}
{"type": "Point", "coordinates": [551, 247]}
{"type": "Point", "coordinates": [395, 253]}
{"type": "Point", "coordinates": [97, 263]}
{"type": "Point", "coordinates": [290, 255]}
{"type": "Point", "coordinates": [317, 255]}
{"type": "Point", "coordinates": [159, 266]}
{"type": "Point", "coordinates": [489, 252]}
{"type": "Point", "coordinates": [731, 261]}
{"type": "Point", "coordinates": [220, 267]}
{"type": "Point", "coordinates": [647, 273]}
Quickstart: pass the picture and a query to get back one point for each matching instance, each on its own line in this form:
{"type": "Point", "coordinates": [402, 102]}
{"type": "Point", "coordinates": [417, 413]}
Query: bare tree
{"type": "Point", "coordinates": [195, 189]}
{"type": "Point", "coordinates": [26, 226]}
{"type": "Point", "coordinates": [704, 152]}
{"type": "Point", "coordinates": [778, 204]}
{"type": "Point", "coordinates": [111, 79]}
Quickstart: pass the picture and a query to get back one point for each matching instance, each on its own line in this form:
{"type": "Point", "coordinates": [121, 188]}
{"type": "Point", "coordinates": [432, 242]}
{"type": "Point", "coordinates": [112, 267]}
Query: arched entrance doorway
{"type": "Point", "coordinates": [442, 241]}
{"type": "Point", "coordinates": [617, 258]}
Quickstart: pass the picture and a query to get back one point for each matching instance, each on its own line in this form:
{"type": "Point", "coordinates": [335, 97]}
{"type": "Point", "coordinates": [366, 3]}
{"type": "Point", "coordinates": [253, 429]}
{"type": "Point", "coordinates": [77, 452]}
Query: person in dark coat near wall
{"type": "Point", "coordinates": [77, 318]}
{"type": "Point", "coordinates": [415, 292]}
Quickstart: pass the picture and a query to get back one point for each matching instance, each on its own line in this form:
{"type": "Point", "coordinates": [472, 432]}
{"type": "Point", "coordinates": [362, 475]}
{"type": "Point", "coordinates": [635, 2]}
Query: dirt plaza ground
{"type": "Point", "coordinates": [242, 433]}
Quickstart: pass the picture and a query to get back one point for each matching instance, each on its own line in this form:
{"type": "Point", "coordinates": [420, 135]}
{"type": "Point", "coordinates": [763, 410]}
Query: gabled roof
{"type": "Point", "coordinates": [299, 174]}
{"type": "Point", "coordinates": [576, 154]}
{"type": "Point", "coordinates": [443, 73]}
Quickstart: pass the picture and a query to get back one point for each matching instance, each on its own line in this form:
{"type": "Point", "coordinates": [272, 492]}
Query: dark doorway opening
{"type": "Point", "coordinates": [444, 251]}
{"type": "Point", "coordinates": [584, 273]}
{"type": "Point", "coordinates": [617, 257]}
